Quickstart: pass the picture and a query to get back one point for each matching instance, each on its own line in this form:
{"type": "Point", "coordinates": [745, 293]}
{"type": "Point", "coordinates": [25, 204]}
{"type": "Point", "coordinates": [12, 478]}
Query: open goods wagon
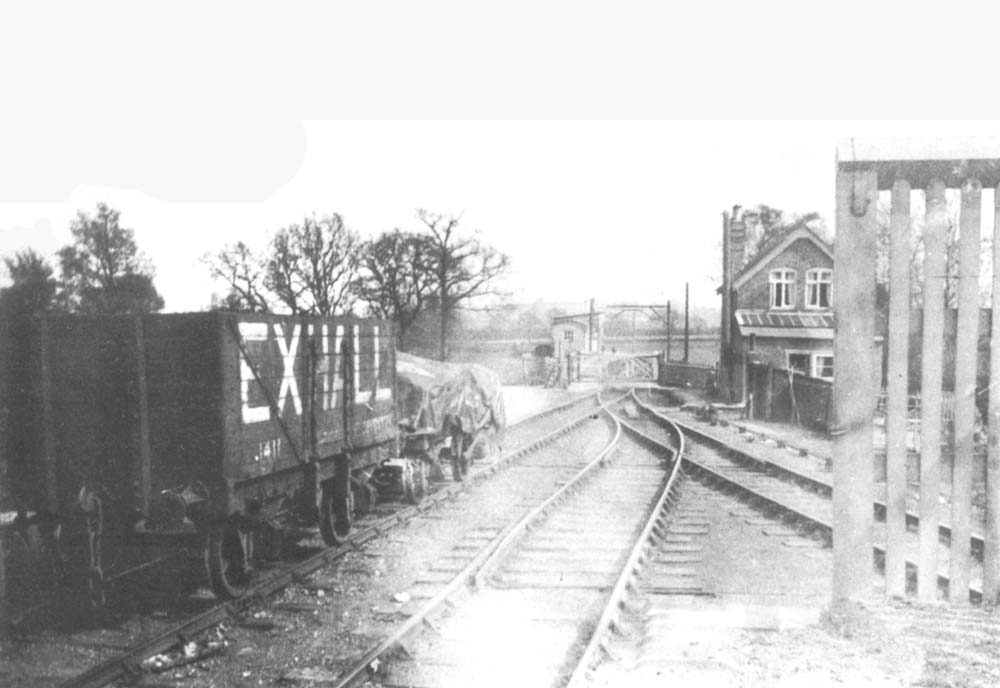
{"type": "Point", "coordinates": [217, 432]}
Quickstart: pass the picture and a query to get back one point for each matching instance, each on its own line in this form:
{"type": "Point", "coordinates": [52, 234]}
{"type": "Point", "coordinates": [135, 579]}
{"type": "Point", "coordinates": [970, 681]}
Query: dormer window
{"type": "Point", "coordinates": [819, 288]}
{"type": "Point", "coordinates": [782, 288]}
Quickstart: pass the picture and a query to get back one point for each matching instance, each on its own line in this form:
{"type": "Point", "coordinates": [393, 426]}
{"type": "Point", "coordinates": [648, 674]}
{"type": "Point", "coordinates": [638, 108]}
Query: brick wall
{"type": "Point", "coordinates": [801, 255]}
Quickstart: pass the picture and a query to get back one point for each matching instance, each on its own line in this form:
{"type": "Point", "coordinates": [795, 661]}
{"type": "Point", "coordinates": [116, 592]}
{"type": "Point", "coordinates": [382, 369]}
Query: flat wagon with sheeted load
{"type": "Point", "coordinates": [450, 413]}
{"type": "Point", "coordinates": [218, 431]}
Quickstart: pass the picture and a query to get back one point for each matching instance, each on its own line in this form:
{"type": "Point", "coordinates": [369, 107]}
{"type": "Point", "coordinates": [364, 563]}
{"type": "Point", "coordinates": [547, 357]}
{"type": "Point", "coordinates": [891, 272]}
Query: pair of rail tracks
{"type": "Point", "coordinates": [589, 539]}
{"type": "Point", "coordinates": [162, 632]}
{"type": "Point", "coordinates": [532, 602]}
{"type": "Point", "coordinates": [799, 501]}
{"type": "Point", "coordinates": [811, 502]}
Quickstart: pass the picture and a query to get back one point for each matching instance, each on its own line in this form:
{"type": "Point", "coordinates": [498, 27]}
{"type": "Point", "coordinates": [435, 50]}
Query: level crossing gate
{"type": "Point", "coordinates": [902, 171]}
{"type": "Point", "coordinates": [615, 367]}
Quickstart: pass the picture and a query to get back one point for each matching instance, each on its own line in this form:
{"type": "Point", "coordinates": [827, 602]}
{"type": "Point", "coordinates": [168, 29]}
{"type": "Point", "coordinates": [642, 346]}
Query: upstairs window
{"type": "Point", "coordinates": [568, 335]}
{"type": "Point", "coordinates": [782, 288]}
{"type": "Point", "coordinates": [819, 288]}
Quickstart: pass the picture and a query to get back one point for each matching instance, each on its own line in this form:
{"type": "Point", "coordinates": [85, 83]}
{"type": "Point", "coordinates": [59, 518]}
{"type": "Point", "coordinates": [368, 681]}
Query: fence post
{"type": "Point", "coordinates": [769, 394]}
{"type": "Point", "coordinates": [935, 230]}
{"type": "Point", "coordinates": [991, 548]}
{"type": "Point", "coordinates": [967, 344]}
{"type": "Point", "coordinates": [853, 387]}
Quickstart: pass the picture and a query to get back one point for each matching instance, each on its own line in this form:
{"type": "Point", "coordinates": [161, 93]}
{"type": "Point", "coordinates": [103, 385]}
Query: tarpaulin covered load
{"type": "Point", "coordinates": [431, 393]}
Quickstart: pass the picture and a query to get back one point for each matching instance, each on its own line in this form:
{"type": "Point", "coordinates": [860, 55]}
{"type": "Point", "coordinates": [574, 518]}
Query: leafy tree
{"type": "Point", "coordinates": [463, 268]}
{"type": "Point", "coordinates": [103, 270]}
{"type": "Point", "coordinates": [396, 279]}
{"type": "Point", "coordinates": [33, 288]}
{"type": "Point", "coordinates": [243, 272]}
{"type": "Point", "coordinates": [311, 267]}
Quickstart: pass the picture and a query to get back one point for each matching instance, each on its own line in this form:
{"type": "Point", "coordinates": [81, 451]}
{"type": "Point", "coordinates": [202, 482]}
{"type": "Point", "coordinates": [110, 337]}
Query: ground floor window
{"type": "Point", "coordinates": [799, 362]}
{"type": "Point", "coordinates": [814, 364]}
{"type": "Point", "coordinates": [823, 366]}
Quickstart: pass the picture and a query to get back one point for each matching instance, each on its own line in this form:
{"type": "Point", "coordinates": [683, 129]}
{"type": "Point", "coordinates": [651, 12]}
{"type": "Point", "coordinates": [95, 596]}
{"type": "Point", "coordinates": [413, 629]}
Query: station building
{"type": "Point", "coordinates": [777, 309]}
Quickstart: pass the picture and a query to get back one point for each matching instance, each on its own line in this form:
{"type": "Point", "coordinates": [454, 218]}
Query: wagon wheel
{"type": "Point", "coordinates": [336, 513]}
{"type": "Point", "coordinates": [93, 518]}
{"type": "Point", "coordinates": [227, 560]}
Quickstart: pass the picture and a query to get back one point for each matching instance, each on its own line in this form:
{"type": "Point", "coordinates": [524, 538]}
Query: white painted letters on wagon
{"type": "Point", "coordinates": [329, 370]}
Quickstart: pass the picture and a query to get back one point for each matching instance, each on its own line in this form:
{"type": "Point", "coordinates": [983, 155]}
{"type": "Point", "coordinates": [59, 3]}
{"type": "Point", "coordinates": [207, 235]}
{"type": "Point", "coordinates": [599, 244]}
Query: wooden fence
{"type": "Point", "coordinates": [899, 169]}
{"type": "Point", "coordinates": [779, 394]}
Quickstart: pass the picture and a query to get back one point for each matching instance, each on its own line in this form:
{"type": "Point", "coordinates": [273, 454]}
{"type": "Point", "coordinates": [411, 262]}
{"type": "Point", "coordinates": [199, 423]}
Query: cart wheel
{"type": "Point", "coordinates": [364, 495]}
{"type": "Point", "coordinates": [96, 594]}
{"type": "Point", "coordinates": [227, 560]}
{"type": "Point", "coordinates": [459, 467]}
{"type": "Point", "coordinates": [336, 513]}
{"type": "Point", "coordinates": [414, 480]}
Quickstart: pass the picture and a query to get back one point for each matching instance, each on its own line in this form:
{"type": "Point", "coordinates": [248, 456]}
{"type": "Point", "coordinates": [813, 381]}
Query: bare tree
{"type": "Point", "coordinates": [312, 266]}
{"type": "Point", "coordinates": [396, 279]}
{"type": "Point", "coordinates": [917, 254]}
{"type": "Point", "coordinates": [463, 268]}
{"type": "Point", "coordinates": [243, 271]}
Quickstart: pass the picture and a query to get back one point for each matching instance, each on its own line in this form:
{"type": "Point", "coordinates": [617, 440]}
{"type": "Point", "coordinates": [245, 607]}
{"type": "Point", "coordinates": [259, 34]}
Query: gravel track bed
{"type": "Point", "coordinates": [148, 606]}
{"type": "Point", "coordinates": [731, 597]}
{"type": "Point", "coordinates": [816, 506]}
{"type": "Point", "coordinates": [312, 630]}
{"type": "Point", "coordinates": [530, 623]}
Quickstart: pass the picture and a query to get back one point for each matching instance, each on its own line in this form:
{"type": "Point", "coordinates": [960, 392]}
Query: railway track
{"type": "Point", "coordinates": [800, 497]}
{"type": "Point", "coordinates": [156, 629]}
{"type": "Point", "coordinates": [818, 480]}
{"type": "Point", "coordinates": [540, 583]}
{"type": "Point", "coordinates": [672, 622]}
{"type": "Point", "coordinates": [608, 524]}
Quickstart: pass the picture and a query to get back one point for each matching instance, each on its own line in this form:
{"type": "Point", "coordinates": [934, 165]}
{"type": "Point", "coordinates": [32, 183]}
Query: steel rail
{"type": "Point", "coordinates": [975, 593]}
{"type": "Point", "coordinates": [637, 557]}
{"type": "Point", "coordinates": [484, 558]}
{"type": "Point", "coordinates": [539, 512]}
{"type": "Point", "coordinates": [818, 484]}
{"type": "Point", "coordinates": [128, 663]}
{"type": "Point", "coordinates": [122, 577]}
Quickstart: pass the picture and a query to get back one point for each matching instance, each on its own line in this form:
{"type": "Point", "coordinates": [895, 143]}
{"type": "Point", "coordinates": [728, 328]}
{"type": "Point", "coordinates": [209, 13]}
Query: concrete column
{"type": "Point", "coordinates": [853, 386]}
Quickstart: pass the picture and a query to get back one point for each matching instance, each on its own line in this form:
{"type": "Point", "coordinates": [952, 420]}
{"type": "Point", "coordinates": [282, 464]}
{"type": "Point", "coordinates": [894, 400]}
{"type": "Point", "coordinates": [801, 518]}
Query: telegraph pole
{"type": "Point", "coordinates": [686, 333]}
{"type": "Point", "coordinates": [590, 331]}
{"type": "Point", "coordinates": [668, 332]}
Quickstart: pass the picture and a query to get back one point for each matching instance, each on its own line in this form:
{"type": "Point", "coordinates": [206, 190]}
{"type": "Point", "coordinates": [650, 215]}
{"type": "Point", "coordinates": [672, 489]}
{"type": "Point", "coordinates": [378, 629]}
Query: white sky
{"type": "Point", "coordinates": [614, 210]}
{"type": "Point", "coordinates": [188, 122]}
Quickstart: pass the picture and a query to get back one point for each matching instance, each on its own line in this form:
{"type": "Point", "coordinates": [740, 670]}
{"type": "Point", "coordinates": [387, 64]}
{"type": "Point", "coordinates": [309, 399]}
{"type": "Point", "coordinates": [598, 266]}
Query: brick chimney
{"type": "Point", "coordinates": [734, 239]}
{"type": "Point", "coordinates": [737, 242]}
